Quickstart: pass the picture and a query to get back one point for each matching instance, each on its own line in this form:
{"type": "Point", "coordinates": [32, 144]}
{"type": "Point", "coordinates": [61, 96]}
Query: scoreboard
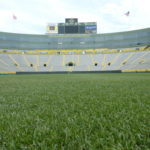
{"type": "Point", "coordinates": [71, 29]}
{"type": "Point", "coordinates": [72, 26]}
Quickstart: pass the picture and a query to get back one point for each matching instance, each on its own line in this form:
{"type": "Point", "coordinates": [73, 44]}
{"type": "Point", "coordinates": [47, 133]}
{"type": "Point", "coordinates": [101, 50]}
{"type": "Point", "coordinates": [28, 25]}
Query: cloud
{"type": "Point", "coordinates": [33, 15]}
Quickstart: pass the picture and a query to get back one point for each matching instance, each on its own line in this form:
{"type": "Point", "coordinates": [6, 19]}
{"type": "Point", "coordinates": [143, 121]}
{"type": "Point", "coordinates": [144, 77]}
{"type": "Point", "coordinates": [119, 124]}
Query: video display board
{"type": "Point", "coordinates": [52, 28]}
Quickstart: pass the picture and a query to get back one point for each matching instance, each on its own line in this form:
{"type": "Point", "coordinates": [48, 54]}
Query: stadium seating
{"type": "Point", "coordinates": [97, 62]}
{"type": "Point", "coordinates": [100, 52]}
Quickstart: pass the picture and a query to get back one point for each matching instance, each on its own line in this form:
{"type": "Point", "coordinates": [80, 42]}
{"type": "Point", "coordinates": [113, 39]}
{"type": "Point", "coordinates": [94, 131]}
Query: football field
{"type": "Point", "coordinates": [75, 111]}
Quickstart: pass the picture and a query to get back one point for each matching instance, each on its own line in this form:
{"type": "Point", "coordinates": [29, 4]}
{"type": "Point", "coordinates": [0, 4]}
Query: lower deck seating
{"type": "Point", "coordinates": [86, 62]}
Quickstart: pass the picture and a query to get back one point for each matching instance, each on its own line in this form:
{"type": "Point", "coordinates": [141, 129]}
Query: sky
{"type": "Point", "coordinates": [33, 15]}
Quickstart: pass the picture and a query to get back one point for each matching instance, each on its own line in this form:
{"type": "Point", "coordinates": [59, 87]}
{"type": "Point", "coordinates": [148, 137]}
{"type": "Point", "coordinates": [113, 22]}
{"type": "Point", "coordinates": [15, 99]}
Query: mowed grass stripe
{"type": "Point", "coordinates": [75, 111]}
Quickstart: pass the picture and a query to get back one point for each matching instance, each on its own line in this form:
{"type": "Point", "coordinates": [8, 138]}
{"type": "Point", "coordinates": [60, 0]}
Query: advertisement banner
{"type": "Point", "coordinates": [90, 29]}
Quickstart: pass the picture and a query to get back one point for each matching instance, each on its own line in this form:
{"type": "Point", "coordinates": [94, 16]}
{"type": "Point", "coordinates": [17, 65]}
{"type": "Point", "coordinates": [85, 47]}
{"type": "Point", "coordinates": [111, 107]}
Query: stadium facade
{"type": "Point", "coordinates": [126, 51]}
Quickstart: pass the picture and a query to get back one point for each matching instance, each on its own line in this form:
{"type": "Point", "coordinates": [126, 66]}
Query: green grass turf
{"type": "Point", "coordinates": [75, 112]}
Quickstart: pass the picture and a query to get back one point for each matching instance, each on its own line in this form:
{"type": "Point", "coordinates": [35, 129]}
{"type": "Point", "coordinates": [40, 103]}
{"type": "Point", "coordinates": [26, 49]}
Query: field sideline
{"type": "Point", "coordinates": [75, 112]}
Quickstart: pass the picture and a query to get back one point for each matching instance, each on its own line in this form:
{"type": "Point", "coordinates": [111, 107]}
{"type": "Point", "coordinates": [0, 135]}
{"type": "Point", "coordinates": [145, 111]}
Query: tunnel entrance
{"type": "Point", "coordinates": [70, 64]}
